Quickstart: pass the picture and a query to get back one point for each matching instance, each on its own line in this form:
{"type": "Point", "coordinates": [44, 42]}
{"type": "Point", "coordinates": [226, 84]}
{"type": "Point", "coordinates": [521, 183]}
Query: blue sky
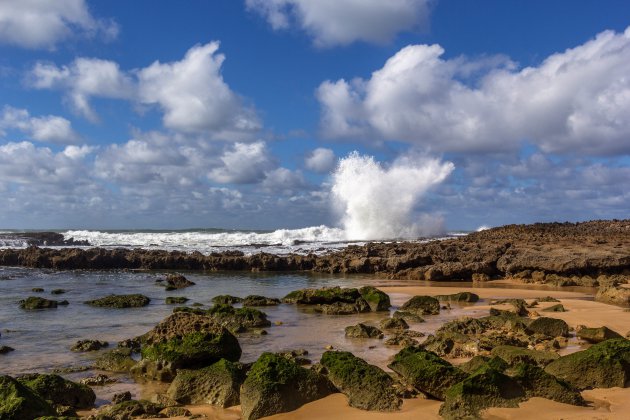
{"type": "Point", "coordinates": [235, 113]}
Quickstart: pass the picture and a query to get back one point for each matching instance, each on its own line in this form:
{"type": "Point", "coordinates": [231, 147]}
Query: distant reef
{"type": "Point", "coordinates": [557, 253]}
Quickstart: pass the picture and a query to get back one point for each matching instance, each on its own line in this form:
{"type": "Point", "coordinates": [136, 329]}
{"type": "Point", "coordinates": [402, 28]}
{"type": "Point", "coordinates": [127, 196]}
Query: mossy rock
{"type": "Point", "coordinates": [464, 297]}
{"type": "Point", "coordinates": [18, 402]}
{"type": "Point", "coordinates": [58, 390]}
{"type": "Point", "coordinates": [422, 305]}
{"type": "Point", "coordinates": [393, 324]}
{"type": "Point", "coordinates": [176, 300]}
{"type": "Point", "coordinates": [257, 300]}
{"type": "Point", "coordinates": [117, 360]}
{"type": "Point", "coordinates": [538, 383]}
{"type": "Point", "coordinates": [603, 365]}
{"type": "Point", "coordinates": [238, 319]}
{"type": "Point", "coordinates": [597, 335]}
{"type": "Point", "coordinates": [426, 371]}
{"type": "Point", "coordinates": [484, 388]}
{"type": "Point", "coordinates": [276, 384]}
{"type": "Point", "coordinates": [367, 386]}
{"type": "Point", "coordinates": [326, 295]}
{"type": "Point", "coordinates": [218, 384]}
{"type": "Point", "coordinates": [551, 327]}
{"type": "Point", "coordinates": [377, 299]}
{"type": "Point", "coordinates": [407, 316]}
{"type": "Point", "coordinates": [176, 281]}
{"type": "Point", "coordinates": [363, 331]}
{"type": "Point", "coordinates": [127, 410]}
{"type": "Point", "coordinates": [555, 308]}
{"type": "Point", "coordinates": [343, 308]}
{"type": "Point", "coordinates": [120, 301]}
{"type": "Point", "coordinates": [479, 361]}
{"type": "Point", "coordinates": [226, 299]}
{"type": "Point", "coordinates": [515, 355]}
{"type": "Point", "coordinates": [89, 345]}
{"type": "Point", "coordinates": [34, 302]}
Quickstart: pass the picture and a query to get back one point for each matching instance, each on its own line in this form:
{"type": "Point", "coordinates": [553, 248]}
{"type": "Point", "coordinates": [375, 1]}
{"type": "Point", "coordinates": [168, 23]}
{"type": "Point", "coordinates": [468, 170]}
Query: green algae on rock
{"type": "Point", "coordinates": [422, 305]}
{"type": "Point", "coordinates": [58, 390]}
{"type": "Point", "coordinates": [120, 301]}
{"type": "Point", "coordinates": [377, 299]}
{"type": "Point", "coordinates": [18, 402]}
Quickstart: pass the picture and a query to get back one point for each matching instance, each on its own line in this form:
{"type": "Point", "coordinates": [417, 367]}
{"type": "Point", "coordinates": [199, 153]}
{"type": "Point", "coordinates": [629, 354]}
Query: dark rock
{"type": "Point", "coordinates": [98, 380]}
{"type": "Point", "coordinates": [342, 308]}
{"type": "Point", "coordinates": [175, 412]}
{"type": "Point", "coordinates": [89, 345]}
{"type": "Point", "coordinates": [57, 292]}
{"type": "Point", "coordinates": [368, 387]}
{"type": "Point", "coordinates": [38, 303]}
{"type": "Point", "coordinates": [296, 355]}
{"type": "Point", "coordinates": [132, 344]}
{"type": "Point", "coordinates": [121, 397]}
{"type": "Point", "coordinates": [37, 290]}
{"type": "Point", "coordinates": [515, 355]}
{"type": "Point", "coordinates": [326, 295]}
{"type": "Point", "coordinates": [378, 300]}
{"type": "Point", "coordinates": [478, 362]}
{"type": "Point", "coordinates": [422, 305]}
{"type": "Point", "coordinates": [603, 365]}
{"type": "Point", "coordinates": [256, 300]}
{"type": "Point", "coordinates": [226, 300]}
{"type": "Point", "coordinates": [6, 349]}
{"type": "Point", "coordinates": [458, 297]}
{"type": "Point", "coordinates": [127, 410]}
{"type": "Point", "coordinates": [551, 327]}
{"type": "Point", "coordinates": [547, 299]}
{"type": "Point", "coordinates": [276, 384]}
{"type": "Point", "coordinates": [58, 390]}
{"type": "Point", "coordinates": [238, 319]}
{"type": "Point", "coordinates": [485, 388]}
{"type": "Point", "coordinates": [18, 402]}
{"type": "Point", "coordinates": [555, 308]}
{"type": "Point", "coordinates": [393, 324]}
{"type": "Point", "coordinates": [218, 384]}
{"type": "Point", "coordinates": [120, 301]}
{"type": "Point", "coordinates": [177, 281]}
{"type": "Point", "coordinates": [597, 335]}
{"type": "Point", "coordinates": [426, 372]}
{"type": "Point", "coordinates": [363, 331]}
{"type": "Point", "coordinates": [176, 300]}
{"type": "Point", "coordinates": [408, 316]}
{"type": "Point", "coordinates": [538, 383]}
{"type": "Point", "coordinates": [117, 360]}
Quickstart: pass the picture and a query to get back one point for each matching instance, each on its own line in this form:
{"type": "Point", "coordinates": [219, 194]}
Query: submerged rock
{"type": "Point", "coordinates": [603, 365]}
{"type": "Point", "coordinates": [363, 331]}
{"type": "Point", "coordinates": [18, 402]}
{"type": "Point", "coordinates": [120, 301]}
{"type": "Point", "coordinates": [218, 384]}
{"type": "Point", "coordinates": [326, 295]}
{"type": "Point", "coordinates": [393, 324]}
{"type": "Point", "coordinates": [257, 300]}
{"type": "Point", "coordinates": [176, 300]}
{"type": "Point", "coordinates": [6, 349]}
{"type": "Point", "coordinates": [89, 345]}
{"type": "Point", "coordinates": [117, 360]}
{"type": "Point", "coordinates": [177, 281]}
{"type": "Point", "coordinates": [276, 384]}
{"type": "Point", "coordinates": [422, 305]}
{"type": "Point", "coordinates": [58, 390]}
{"type": "Point", "coordinates": [426, 371]}
{"type": "Point", "coordinates": [597, 335]}
{"type": "Point", "coordinates": [226, 299]}
{"type": "Point", "coordinates": [34, 302]}
{"type": "Point", "coordinates": [367, 386]}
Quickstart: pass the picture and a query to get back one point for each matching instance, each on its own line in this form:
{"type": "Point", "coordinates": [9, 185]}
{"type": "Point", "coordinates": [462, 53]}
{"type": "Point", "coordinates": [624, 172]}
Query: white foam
{"type": "Point", "coordinates": [380, 203]}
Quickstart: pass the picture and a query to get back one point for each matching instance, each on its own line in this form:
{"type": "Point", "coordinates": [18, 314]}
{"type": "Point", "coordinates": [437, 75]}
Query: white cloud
{"type": "Point", "coordinates": [342, 22]}
{"type": "Point", "coordinates": [283, 180]}
{"type": "Point", "coordinates": [321, 160]}
{"type": "Point", "coordinates": [49, 128]}
{"type": "Point", "coordinates": [191, 93]}
{"type": "Point", "coordinates": [573, 102]}
{"type": "Point", "coordinates": [194, 96]}
{"type": "Point", "coordinates": [243, 164]}
{"type": "Point", "coordinates": [43, 24]}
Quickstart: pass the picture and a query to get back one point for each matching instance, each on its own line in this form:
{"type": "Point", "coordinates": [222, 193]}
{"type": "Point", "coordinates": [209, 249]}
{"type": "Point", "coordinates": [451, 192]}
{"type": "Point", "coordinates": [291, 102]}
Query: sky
{"type": "Point", "coordinates": [156, 114]}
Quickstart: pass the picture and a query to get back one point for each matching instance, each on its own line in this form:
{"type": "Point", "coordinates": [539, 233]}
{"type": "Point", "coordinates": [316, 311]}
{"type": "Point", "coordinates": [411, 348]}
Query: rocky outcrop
{"type": "Point", "coordinates": [377, 299]}
{"type": "Point", "coordinates": [276, 384]}
{"type": "Point", "coordinates": [18, 402]}
{"type": "Point", "coordinates": [363, 331]}
{"type": "Point", "coordinates": [226, 300]}
{"type": "Point", "coordinates": [597, 335]}
{"type": "Point", "coordinates": [257, 300]}
{"type": "Point", "coordinates": [59, 391]}
{"type": "Point", "coordinates": [464, 297]}
{"type": "Point", "coordinates": [422, 305]}
{"type": "Point", "coordinates": [120, 301]}
{"type": "Point", "coordinates": [176, 281]}
{"type": "Point", "coordinates": [368, 387]}
{"type": "Point", "coordinates": [516, 355]}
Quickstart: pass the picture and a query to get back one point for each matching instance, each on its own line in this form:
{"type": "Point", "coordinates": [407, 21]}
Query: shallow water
{"type": "Point", "coordinates": [42, 338]}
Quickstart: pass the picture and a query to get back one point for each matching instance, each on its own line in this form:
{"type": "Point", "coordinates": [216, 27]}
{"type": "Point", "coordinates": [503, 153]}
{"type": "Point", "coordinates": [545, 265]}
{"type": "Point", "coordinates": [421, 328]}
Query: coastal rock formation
{"type": "Point", "coordinates": [59, 391]}
{"type": "Point", "coordinates": [89, 345]}
{"type": "Point", "coordinates": [120, 301]}
{"type": "Point", "coordinates": [117, 360]}
{"type": "Point", "coordinates": [20, 402]}
{"type": "Point", "coordinates": [256, 300]}
{"type": "Point", "coordinates": [226, 300]}
{"type": "Point", "coordinates": [422, 305]}
{"type": "Point", "coordinates": [597, 335]}
{"type": "Point", "coordinates": [276, 384]}
{"type": "Point", "coordinates": [363, 331]}
{"type": "Point", "coordinates": [40, 303]}
{"type": "Point", "coordinates": [236, 320]}
{"type": "Point", "coordinates": [177, 281]}
{"type": "Point", "coordinates": [340, 301]}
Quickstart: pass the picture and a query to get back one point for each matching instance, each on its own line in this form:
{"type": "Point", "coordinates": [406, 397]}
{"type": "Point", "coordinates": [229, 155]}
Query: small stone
{"type": "Point", "coordinates": [37, 290]}
{"type": "Point", "coordinates": [57, 292]}
{"type": "Point", "coordinates": [121, 397]}
{"type": "Point", "coordinates": [89, 345]}
{"type": "Point", "coordinates": [98, 380]}
{"type": "Point", "coordinates": [278, 323]}
{"type": "Point", "coordinates": [329, 347]}
{"type": "Point", "coordinates": [6, 349]}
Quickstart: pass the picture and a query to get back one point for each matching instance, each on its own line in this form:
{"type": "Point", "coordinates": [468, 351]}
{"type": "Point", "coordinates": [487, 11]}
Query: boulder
{"type": "Point", "coordinates": [18, 402]}
{"type": "Point", "coordinates": [484, 388]}
{"type": "Point", "coordinates": [343, 308]}
{"type": "Point", "coordinates": [89, 345]}
{"type": "Point", "coordinates": [326, 295]}
{"type": "Point", "coordinates": [478, 362]}
{"type": "Point", "coordinates": [120, 301]}
{"type": "Point", "coordinates": [555, 308]}
{"type": "Point", "coordinates": [238, 319]}
{"type": "Point", "coordinates": [363, 331]}
{"type": "Point", "coordinates": [176, 300]}
{"type": "Point", "coordinates": [551, 327]}
{"type": "Point", "coordinates": [393, 324]}
{"type": "Point", "coordinates": [175, 412]}
{"type": "Point", "coordinates": [597, 335]}
{"type": "Point", "coordinates": [276, 384]}
{"type": "Point", "coordinates": [426, 371]}
{"type": "Point", "coordinates": [516, 355]}
{"type": "Point", "coordinates": [377, 299]}
{"type": "Point", "coordinates": [226, 300]}
{"type": "Point", "coordinates": [58, 390]}
{"type": "Point", "coordinates": [257, 300]}
{"type": "Point", "coordinates": [613, 294]}
{"type": "Point", "coordinates": [121, 397]}
{"type": "Point", "coordinates": [6, 349]}
{"type": "Point", "coordinates": [467, 297]}
{"type": "Point", "coordinates": [367, 387]}
{"type": "Point", "coordinates": [34, 302]}
{"type": "Point", "coordinates": [407, 316]}
{"type": "Point", "coordinates": [127, 410]}
{"type": "Point", "coordinates": [117, 360]}
{"type": "Point", "coordinates": [218, 384]}
{"type": "Point", "coordinates": [177, 281]}
{"type": "Point", "coordinates": [538, 383]}
{"type": "Point", "coordinates": [422, 305]}
{"type": "Point", "coordinates": [603, 365]}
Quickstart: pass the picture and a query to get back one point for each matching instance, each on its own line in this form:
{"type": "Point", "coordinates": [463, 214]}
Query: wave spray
{"type": "Point", "coordinates": [379, 203]}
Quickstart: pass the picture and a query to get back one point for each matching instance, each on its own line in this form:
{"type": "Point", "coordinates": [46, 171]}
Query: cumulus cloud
{"type": "Point", "coordinates": [243, 163]}
{"type": "Point", "coordinates": [342, 22]}
{"type": "Point", "coordinates": [191, 92]}
{"type": "Point", "coordinates": [284, 181]}
{"type": "Point", "coordinates": [43, 24]}
{"type": "Point", "coordinates": [573, 102]}
{"type": "Point", "coordinates": [49, 128]}
{"type": "Point", "coordinates": [321, 160]}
